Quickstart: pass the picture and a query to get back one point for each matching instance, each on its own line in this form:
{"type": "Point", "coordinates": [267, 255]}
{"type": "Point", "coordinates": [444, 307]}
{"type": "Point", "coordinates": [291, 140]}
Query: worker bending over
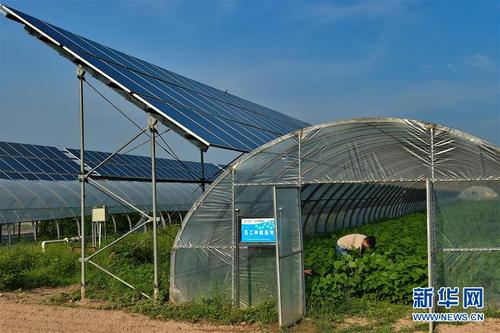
{"type": "Point", "coordinates": [356, 242]}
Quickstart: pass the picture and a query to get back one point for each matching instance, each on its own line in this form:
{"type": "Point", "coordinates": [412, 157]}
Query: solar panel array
{"type": "Point", "coordinates": [196, 110]}
{"type": "Point", "coordinates": [139, 167]}
{"type": "Point", "coordinates": [35, 162]}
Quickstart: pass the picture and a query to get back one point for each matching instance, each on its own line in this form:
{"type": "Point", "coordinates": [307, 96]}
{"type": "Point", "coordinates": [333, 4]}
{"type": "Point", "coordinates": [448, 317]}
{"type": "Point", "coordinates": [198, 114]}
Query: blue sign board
{"type": "Point", "coordinates": [258, 230]}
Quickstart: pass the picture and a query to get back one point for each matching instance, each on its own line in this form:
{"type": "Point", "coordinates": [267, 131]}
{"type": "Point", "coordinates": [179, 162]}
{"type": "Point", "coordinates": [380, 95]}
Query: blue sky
{"type": "Point", "coordinates": [317, 61]}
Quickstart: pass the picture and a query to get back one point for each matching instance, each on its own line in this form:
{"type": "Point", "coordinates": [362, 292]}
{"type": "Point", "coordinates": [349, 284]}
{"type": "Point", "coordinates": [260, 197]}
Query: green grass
{"type": "Point", "coordinates": [376, 286]}
{"type": "Point", "coordinates": [132, 260]}
{"type": "Point", "coordinates": [25, 266]}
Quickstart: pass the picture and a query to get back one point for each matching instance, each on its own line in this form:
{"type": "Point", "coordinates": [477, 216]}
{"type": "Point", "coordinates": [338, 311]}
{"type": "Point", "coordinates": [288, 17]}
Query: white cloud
{"type": "Point", "coordinates": [478, 61]}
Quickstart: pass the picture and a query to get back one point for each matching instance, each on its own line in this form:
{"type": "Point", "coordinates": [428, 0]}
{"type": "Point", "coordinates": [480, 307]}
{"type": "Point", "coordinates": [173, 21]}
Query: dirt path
{"type": "Point", "coordinates": [22, 312]}
{"type": "Point", "coordinates": [490, 325]}
{"type": "Point", "coordinates": [19, 317]}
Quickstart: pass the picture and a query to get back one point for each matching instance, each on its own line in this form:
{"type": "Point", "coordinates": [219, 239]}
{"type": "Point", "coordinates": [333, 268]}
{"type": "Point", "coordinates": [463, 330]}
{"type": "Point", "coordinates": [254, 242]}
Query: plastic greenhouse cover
{"type": "Point", "coordinates": [42, 200]}
{"type": "Point", "coordinates": [390, 159]}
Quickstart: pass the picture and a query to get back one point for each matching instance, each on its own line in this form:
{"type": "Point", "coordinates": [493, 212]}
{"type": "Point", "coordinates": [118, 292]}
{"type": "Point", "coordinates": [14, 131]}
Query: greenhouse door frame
{"type": "Point", "coordinates": [429, 199]}
{"type": "Point", "coordinates": [280, 257]}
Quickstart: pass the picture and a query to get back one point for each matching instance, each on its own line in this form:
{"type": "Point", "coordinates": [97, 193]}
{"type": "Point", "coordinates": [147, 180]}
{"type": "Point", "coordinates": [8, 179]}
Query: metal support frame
{"type": "Point", "coordinates": [129, 222]}
{"type": "Point", "coordinates": [58, 230]}
{"type": "Point", "coordinates": [114, 223]}
{"type": "Point", "coordinates": [277, 252]}
{"type": "Point", "coordinates": [81, 78]}
{"type": "Point", "coordinates": [152, 129]}
{"type": "Point", "coordinates": [9, 227]}
{"type": "Point", "coordinates": [86, 177]}
{"type": "Point", "coordinates": [78, 227]}
{"type": "Point", "coordinates": [202, 160]}
{"type": "Point", "coordinates": [430, 241]}
{"type": "Point", "coordinates": [236, 259]}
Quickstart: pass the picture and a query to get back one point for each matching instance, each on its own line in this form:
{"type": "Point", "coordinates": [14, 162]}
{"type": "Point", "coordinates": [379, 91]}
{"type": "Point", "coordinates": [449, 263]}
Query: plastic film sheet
{"type": "Point", "coordinates": [24, 201]}
{"type": "Point", "coordinates": [372, 150]}
{"type": "Point", "coordinates": [467, 214]}
{"type": "Point", "coordinates": [351, 172]}
{"type": "Point", "coordinates": [278, 163]}
{"type": "Point", "coordinates": [201, 272]}
{"type": "Point", "coordinates": [330, 207]}
{"type": "Point", "coordinates": [254, 201]}
{"type": "Point", "coordinates": [461, 156]}
{"type": "Point", "coordinates": [471, 269]}
{"type": "Point", "coordinates": [291, 309]}
{"type": "Point", "coordinates": [213, 222]}
{"type": "Point", "coordinates": [257, 275]}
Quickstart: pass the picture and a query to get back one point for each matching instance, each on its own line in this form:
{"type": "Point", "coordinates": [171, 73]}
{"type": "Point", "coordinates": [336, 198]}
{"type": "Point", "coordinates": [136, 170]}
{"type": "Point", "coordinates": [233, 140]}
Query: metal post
{"type": "Point", "coordinates": [114, 223]}
{"type": "Point", "coordinates": [94, 234]}
{"type": "Point", "coordinates": [129, 222]}
{"type": "Point", "coordinates": [99, 233]}
{"type": "Point", "coordinates": [81, 77]}
{"type": "Point", "coordinates": [1, 233]}
{"type": "Point", "coordinates": [58, 230]}
{"type": "Point", "coordinates": [430, 242]}
{"type": "Point", "coordinates": [19, 231]}
{"type": "Point", "coordinates": [10, 235]}
{"type": "Point", "coordinates": [277, 215]}
{"type": "Point", "coordinates": [202, 159]}
{"type": "Point", "coordinates": [152, 128]}
{"type": "Point", "coordinates": [33, 226]}
{"type": "Point", "coordinates": [163, 224]}
{"type": "Point", "coordinates": [236, 259]}
{"type": "Point", "coordinates": [77, 227]}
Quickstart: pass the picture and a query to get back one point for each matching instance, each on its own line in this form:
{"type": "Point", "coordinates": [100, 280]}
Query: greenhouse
{"type": "Point", "coordinates": [332, 176]}
{"type": "Point", "coordinates": [27, 201]}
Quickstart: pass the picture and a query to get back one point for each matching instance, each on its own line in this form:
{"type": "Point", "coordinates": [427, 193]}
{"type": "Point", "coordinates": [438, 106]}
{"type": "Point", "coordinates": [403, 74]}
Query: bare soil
{"type": "Point", "coordinates": [23, 312]}
{"type": "Point", "coordinates": [490, 325]}
{"type": "Point", "coordinates": [29, 312]}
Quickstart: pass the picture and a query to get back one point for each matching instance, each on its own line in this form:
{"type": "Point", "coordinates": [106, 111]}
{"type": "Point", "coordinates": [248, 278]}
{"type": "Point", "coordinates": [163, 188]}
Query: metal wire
{"type": "Point", "coordinates": [169, 151]}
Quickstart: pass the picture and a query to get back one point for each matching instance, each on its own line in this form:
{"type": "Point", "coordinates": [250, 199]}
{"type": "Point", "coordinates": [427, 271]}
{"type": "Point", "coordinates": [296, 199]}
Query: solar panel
{"type": "Point", "coordinates": [209, 116]}
{"type": "Point", "coordinates": [35, 162]}
{"type": "Point", "coordinates": [133, 167]}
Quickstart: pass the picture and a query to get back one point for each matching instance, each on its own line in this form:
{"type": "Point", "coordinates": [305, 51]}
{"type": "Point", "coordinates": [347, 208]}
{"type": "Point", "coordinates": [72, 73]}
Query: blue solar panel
{"type": "Point", "coordinates": [205, 114]}
{"type": "Point", "coordinates": [35, 162]}
{"type": "Point", "coordinates": [134, 167]}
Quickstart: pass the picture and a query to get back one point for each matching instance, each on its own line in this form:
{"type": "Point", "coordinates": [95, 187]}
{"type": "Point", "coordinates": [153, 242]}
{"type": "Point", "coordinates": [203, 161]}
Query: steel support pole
{"type": "Point", "coordinates": [430, 242]}
{"type": "Point", "coordinates": [152, 128]}
{"type": "Point", "coordinates": [81, 77]}
{"type": "Point", "coordinates": [236, 260]}
{"type": "Point", "coordinates": [77, 227]}
{"type": "Point", "coordinates": [58, 230]}
{"type": "Point", "coordinates": [129, 222]}
{"type": "Point", "coordinates": [202, 159]}
{"type": "Point", "coordinates": [114, 223]}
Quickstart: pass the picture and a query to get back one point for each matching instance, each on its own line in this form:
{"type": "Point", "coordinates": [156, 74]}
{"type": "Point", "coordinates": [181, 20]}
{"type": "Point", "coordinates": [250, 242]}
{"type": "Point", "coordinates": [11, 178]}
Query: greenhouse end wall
{"type": "Point", "coordinates": [349, 172]}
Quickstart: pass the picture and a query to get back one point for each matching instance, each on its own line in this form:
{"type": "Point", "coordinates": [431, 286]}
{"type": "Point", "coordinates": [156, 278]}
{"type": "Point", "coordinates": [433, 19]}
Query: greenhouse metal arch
{"type": "Point", "coordinates": [332, 176]}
